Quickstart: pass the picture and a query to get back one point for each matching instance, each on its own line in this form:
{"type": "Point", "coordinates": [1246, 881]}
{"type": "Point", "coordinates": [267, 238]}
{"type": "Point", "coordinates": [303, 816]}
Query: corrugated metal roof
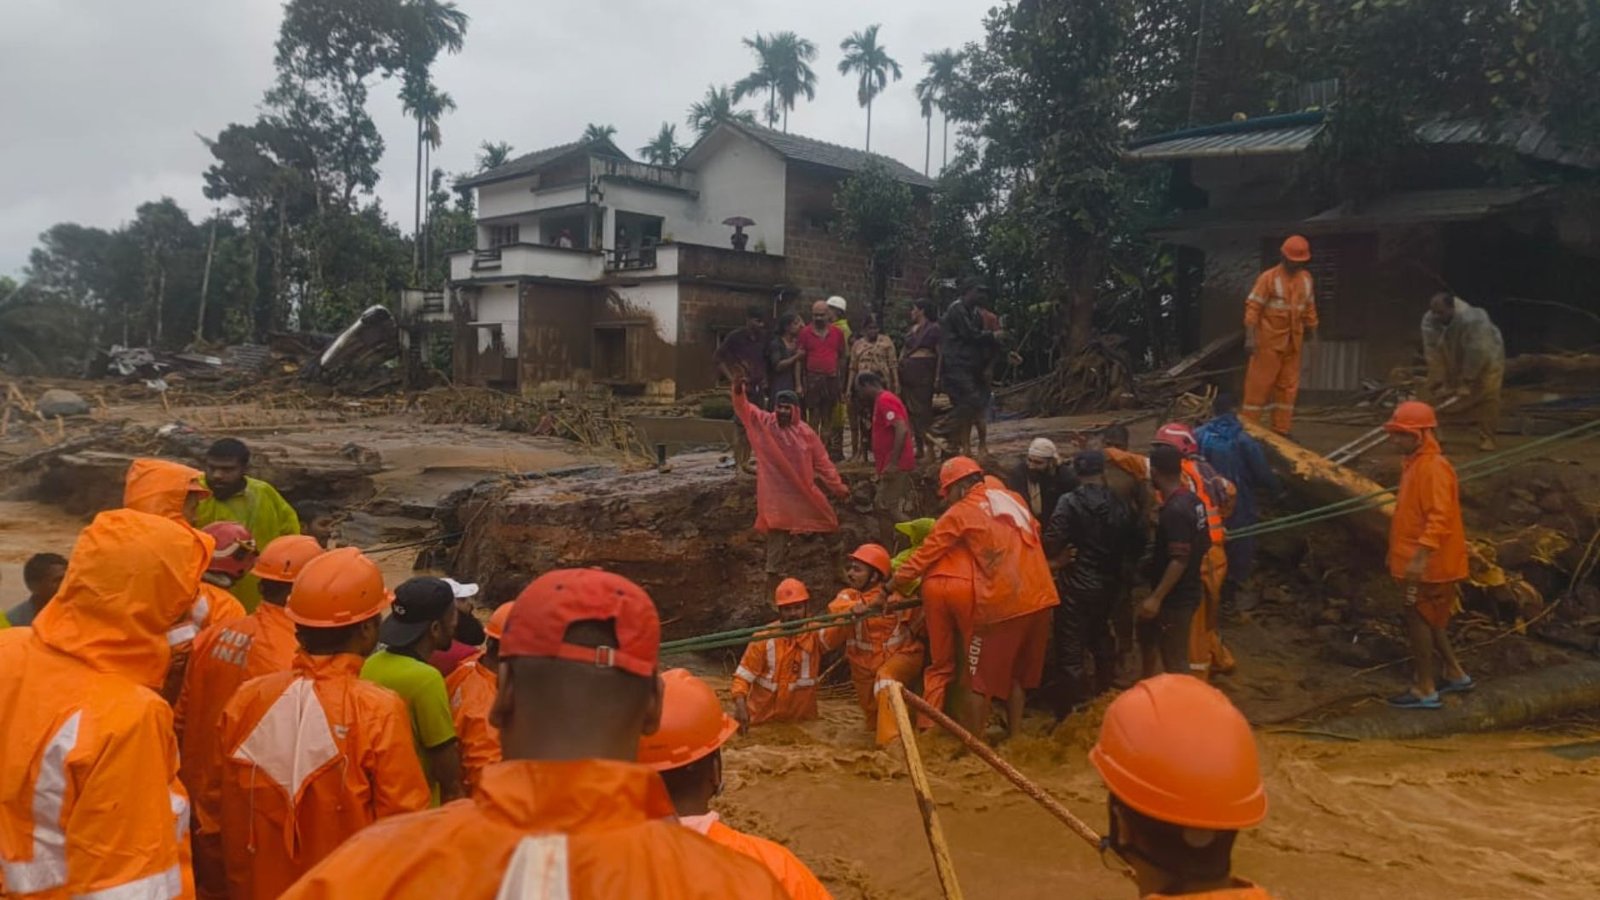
{"type": "Point", "coordinates": [1459, 205]}
{"type": "Point", "coordinates": [1293, 139]}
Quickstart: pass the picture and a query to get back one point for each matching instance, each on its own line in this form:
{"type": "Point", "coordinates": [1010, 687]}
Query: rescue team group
{"type": "Point", "coordinates": [164, 739]}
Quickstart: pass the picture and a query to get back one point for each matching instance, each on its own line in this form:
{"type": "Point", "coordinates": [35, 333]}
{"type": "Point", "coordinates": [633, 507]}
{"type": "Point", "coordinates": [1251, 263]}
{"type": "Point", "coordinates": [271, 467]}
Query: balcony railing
{"type": "Point", "coordinates": [630, 259]}
{"type": "Point", "coordinates": [527, 260]}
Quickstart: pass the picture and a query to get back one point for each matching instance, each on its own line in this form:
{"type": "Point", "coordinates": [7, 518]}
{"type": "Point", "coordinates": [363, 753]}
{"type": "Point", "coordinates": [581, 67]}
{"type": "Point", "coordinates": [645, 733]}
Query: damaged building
{"type": "Point", "coordinates": [1490, 215]}
{"type": "Point", "coordinates": [593, 270]}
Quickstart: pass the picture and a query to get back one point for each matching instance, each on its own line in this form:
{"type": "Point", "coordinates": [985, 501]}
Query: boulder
{"type": "Point", "coordinates": [58, 403]}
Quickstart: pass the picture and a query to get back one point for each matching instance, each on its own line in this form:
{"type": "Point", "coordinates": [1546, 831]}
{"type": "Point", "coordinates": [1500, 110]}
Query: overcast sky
{"type": "Point", "coordinates": [100, 100]}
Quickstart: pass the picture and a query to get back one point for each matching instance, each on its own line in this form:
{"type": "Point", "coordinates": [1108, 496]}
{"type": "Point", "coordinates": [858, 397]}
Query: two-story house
{"type": "Point", "coordinates": [594, 270]}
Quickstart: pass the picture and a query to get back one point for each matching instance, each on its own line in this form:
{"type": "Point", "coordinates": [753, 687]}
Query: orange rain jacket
{"type": "Point", "coordinates": [224, 656]}
{"type": "Point", "coordinates": [595, 828]}
{"type": "Point", "coordinates": [1241, 890]}
{"type": "Point", "coordinates": [792, 460]}
{"type": "Point", "coordinates": [472, 688]}
{"type": "Point", "coordinates": [1011, 576]}
{"type": "Point", "coordinates": [90, 800]}
{"type": "Point", "coordinates": [312, 756]}
{"type": "Point", "coordinates": [793, 874]}
{"type": "Point", "coordinates": [159, 487]}
{"type": "Point", "coordinates": [1427, 513]}
{"type": "Point", "coordinates": [881, 649]}
{"type": "Point", "coordinates": [778, 674]}
{"type": "Point", "coordinates": [1281, 307]}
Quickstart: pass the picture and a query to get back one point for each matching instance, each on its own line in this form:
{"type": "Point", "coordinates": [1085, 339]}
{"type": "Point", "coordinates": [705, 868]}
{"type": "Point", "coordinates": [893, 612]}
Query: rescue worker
{"type": "Point", "coordinates": [92, 803]}
{"type": "Point", "coordinates": [1207, 653]}
{"type": "Point", "coordinates": [1182, 780]}
{"type": "Point", "coordinates": [1281, 308]}
{"type": "Point", "coordinates": [422, 620]}
{"type": "Point", "coordinates": [232, 560]}
{"type": "Point", "coordinates": [315, 754]}
{"type": "Point", "coordinates": [1239, 458]}
{"type": "Point", "coordinates": [570, 812]}
{"type": "Point", "coordinates": [471, 688]}
{"type": "Point", "coordinates": [1042, 478]}
{"type": "Point", "coordinates": [1102, 532]}
{"type": "Point", "coordinates": [1427, 553]}
{"type": "Point", "coordinates": [225, 656]}
{"type": "Point", "coordinates": [881, 649]}
{"type": "Point", "coordinates": [687, 751]}
{"type": "Point", "coordinates": [790, 461]}
{"type": "Point", "coordinates": [163, 488]}
{"type": "Point", "coordinates": [776, 680]}
{"type": "Point", "coordinates": [237, 497]}
{"type": "Point", "coordinates": [1466, 360]}
{"type": "Point", "coordinates": [1167, 616]}
{"type": "Point", "coordinates": [1012, 589]}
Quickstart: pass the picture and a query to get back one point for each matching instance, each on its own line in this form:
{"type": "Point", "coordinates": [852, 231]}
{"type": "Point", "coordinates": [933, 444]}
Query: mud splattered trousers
{"type": "Point", "coordinates": [872, 690]}
{"type": "Point", "coordinates": [1206, 651]}
{"type": "Point", "coordinates": [947, 606]}
{"type": "Point", "coordinates": [1271, 384]}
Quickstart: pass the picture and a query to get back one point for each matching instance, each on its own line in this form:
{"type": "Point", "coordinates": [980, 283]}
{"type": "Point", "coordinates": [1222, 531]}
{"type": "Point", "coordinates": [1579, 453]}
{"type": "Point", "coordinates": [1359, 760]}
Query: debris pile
{"type": "Point", "coordinates": [594, 425]}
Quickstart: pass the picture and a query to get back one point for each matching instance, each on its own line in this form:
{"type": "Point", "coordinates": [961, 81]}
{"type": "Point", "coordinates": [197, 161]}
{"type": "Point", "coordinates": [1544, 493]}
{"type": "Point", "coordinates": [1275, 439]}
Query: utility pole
{"type": "Point", "coordinates": [205, 278]}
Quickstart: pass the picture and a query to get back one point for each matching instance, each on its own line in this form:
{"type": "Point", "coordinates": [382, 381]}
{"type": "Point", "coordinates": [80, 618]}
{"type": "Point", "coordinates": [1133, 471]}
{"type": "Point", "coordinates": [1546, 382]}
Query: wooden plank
{"type": "Point", "coordinates": [924, 792]}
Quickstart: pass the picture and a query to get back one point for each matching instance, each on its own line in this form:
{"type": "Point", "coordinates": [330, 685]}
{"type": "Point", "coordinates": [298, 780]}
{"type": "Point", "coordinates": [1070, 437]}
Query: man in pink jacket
{"type": "Point", "coordinates": [790, 460]}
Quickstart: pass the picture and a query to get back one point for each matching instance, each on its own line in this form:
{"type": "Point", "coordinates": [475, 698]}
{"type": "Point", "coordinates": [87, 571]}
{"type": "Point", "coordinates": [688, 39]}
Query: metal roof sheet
{"type": "Point", "coordinates": [1458, 205]}
{"type": "Point", "coordinates": [1292, 139]}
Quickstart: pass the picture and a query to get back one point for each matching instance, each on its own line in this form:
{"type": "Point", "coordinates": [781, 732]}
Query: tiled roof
{"type": "Point", "coordinates": [833, 156]}
{"type": "Point", "coordinates": [530, 162]}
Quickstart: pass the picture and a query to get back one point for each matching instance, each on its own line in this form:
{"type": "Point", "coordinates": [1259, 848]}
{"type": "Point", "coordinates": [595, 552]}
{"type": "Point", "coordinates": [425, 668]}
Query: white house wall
{"type": "Point", "coordinates": [498, 303]}
{"type": "Point", "coordinates": [656, 300]}
{"type": "Point", "coordinates": [741, 178]}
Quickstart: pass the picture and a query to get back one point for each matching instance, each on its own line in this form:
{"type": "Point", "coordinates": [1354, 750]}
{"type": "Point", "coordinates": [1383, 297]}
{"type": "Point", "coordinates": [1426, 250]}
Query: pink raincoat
{"type": "Point", "coordinates": [788, 463]}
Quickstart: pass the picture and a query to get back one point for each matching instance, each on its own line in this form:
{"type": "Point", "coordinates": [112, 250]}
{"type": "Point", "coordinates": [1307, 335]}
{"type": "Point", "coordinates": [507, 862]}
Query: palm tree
{"type": "Point", "coordinates": [717, 107]}
{"type": "Point", "coordinates": [664, 150]}
{"type": "Point", "coordinates": [593, 132]}
{"type": "Point", "coordinates": [783, 70]}
{"type": "Point", "coordinates": [422, 102]}
{"type": "Point", "coordinates": [492, 155]}
{"type": "Point", "coordinates": [870, 60]}
{"type": "Point", "coordinates": [935, 88]}
{"type": "Point", "coordinates": [429, 27]}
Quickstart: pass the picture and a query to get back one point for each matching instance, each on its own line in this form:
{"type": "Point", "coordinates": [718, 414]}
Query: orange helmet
{"type": "Point", "coordinates": [235, 551]}
{"type": "Point", "coordinates": [874, 557]}
{"type": "Point", "coordinates": [497, 620]}
{"type": "Point", "coordinates": [285, 557]}
{"type": "Point", "coordinates": [340, 587]}
{"type": "Point", "coordinates": [1177, 434]}
{"type": "Point", "coordinates": [1173, 748]}
{"type": "Point", "coordinates": [1411, 417]}
{"type": "Point", "coordinates": [790, 592]}
{"type": "Point", "coordinates": [1296, 249]}
{"type": "Point", "coordinates": [693, 725]}
{"type": "Point", "coordinates": [954, 469]}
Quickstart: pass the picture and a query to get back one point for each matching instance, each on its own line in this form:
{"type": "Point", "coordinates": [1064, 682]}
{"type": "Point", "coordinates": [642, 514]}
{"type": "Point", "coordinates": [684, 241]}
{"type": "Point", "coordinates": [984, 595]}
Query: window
{"type": "Point", "coordinates": [819, 221]}
{"type": "Point", "coordinates": [501, 235]}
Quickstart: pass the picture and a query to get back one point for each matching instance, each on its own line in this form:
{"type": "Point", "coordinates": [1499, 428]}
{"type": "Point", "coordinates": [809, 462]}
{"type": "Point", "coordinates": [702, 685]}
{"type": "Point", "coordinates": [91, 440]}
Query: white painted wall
{"type": "Point", "coordinates": [660, 300]}
{"type": "Point", "coordinates": [739, 178]}
{"type": "Point", "coordinates": [498, 303]}
{"type": "Point", "coordinates": [505, 198]}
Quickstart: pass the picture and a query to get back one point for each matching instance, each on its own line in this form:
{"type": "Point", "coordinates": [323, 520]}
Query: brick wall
{"type": "Point", "coordinates": [707, 311]}
{"type": "Point", "coordinates": [820, 264]}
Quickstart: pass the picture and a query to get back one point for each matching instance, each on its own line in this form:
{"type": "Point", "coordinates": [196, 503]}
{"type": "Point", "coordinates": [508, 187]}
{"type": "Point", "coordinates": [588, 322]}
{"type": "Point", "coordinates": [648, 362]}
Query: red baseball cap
{"type": "Point", "coordinates": [556, 600]}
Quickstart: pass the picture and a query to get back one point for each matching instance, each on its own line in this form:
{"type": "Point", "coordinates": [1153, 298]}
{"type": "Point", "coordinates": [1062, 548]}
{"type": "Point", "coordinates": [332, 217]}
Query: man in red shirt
{"type": "Point", "coordinates": [826, 356]}
{"type": "Point", "coordinates": [893, 450]}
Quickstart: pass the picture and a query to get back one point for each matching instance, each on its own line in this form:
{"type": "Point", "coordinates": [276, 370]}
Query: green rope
{"type": "Point", "coordinates": [742, 636]}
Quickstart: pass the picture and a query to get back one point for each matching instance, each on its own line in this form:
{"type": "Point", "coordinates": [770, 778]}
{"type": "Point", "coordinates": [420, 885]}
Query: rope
{"type": "Point", "coordinates": [742, 636]}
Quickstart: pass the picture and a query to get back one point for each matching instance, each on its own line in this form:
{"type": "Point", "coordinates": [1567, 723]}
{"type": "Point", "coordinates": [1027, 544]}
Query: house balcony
{"type": "Point", "coordinates": [526, 261]}
{"type": "Point", "coordinates": [672, 260]}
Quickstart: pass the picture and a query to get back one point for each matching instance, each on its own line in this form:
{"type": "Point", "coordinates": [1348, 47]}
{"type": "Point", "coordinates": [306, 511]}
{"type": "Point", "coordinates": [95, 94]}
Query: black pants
{"type": "Point", "coordinates": [967, 401]}
{"type": "Point", "coordinates": [1168, 632]}
{"type": "Point", "coordinates": [1083, 634]}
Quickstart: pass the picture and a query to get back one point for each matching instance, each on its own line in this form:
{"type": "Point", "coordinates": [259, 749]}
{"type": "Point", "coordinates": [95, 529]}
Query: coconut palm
{"type": "Point", "coordinates": [715, 108]}
{"type": "Point", "coordinates": [871, 63]}
{"type": "Point", "coordinates": [664, 149]}
{"type": "Point", "coordinates": [783, 70]}
{"type": "Point", "coordinates": [423, 102]}
{"type": "Point", "coordinates": [428, 28]}
{"type": "Point", "coordinates": [593, 132]}
{"type": "Point", "coordinates": [492, 155]}
{"type": "Point", "coordinates": [934, 90]}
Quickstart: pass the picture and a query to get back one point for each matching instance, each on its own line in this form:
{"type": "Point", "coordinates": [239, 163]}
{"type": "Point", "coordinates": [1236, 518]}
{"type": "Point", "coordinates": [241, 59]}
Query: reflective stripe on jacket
{"type": "Point", "coordinates": [778, 675]}
{"type": "Point", "coordinates": [471, 688]}
{"type": "Point", "coordinates": [1281, 306]}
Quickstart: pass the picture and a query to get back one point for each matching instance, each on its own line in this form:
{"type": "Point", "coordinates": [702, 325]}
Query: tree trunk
{"type": "Point", "coordinates": [946, 164]}
{"type": "Point", "coordinates": [1081, 295]}
{"type": "Point", "coordinates": [205, 281]}
{"type": "Point", "coordinates": [416, 225]}
{"type": "Point", "coordinates": [161, 302]}
{"type": "Point", "coordinates": [927, 147]}
{"type": "Point", "coordinates": [869, 125]}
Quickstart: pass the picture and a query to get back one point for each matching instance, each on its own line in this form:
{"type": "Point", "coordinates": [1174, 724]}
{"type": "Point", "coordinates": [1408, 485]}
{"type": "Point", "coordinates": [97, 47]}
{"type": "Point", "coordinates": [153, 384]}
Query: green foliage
{"type": "Point", "coordinates": [493, 154]}
{"type": "Point", "coordinates": [663, 149]}
{"type": "Point", "coordinates": [876, 213]}
{"type": "Point", "coordinates": [37, 330]}
{"type": "Point", "coordinates": [593, 132]}
{"type": "Point", "coordinates": [783, 71]}
{"type": "Point", "coordinates": [871, 63]}
{"type": "Point", "coordinates": [717, 106]}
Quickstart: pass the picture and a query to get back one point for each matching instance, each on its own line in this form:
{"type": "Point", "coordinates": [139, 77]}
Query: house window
{"type": "Point", "coordinates": [501, 235]}
{"type": "Point", "coordinates": [819, 221]}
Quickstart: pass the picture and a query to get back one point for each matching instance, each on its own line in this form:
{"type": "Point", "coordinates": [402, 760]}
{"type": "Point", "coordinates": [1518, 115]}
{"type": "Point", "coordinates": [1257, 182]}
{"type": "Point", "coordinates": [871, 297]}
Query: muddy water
{"type": "Point", "coordinates": [1486, 816]}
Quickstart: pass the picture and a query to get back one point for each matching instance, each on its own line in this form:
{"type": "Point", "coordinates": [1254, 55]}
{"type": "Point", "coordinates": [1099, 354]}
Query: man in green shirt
{"type": "Point", "coordinates": [421, 621]}
{"type": "Point", "coordinates": [236, 497]}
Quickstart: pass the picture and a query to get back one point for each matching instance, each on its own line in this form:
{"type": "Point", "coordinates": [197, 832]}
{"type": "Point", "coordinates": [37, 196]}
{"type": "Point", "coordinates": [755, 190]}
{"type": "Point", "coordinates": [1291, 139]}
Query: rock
{"type": "Point", "coordinates": [1553, 502]}
{"type": "Point", "coordinates": [57, 403]}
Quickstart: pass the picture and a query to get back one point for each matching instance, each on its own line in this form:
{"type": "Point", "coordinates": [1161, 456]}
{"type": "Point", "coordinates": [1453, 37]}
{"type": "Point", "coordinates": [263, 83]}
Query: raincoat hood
{"type": "Point", "coordinates": [1224, 426]}
{"type": "Point", "coordinates": [1427, 443]}
{"type": "Point", "coordinates": [160, 487]}
{"type": "Point", "coordinates": [132, 579]}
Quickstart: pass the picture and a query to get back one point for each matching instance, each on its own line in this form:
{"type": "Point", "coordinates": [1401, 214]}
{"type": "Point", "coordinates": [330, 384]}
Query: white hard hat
{"type": "Point", "coordinates": [838, 302]}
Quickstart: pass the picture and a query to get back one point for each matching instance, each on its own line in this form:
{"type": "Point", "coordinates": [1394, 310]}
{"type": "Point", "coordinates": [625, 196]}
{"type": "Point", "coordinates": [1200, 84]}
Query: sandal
{"type": "Point", "coordinates": [1409, 700]}
{"type": "Point", "coordinates": [1458, 687]}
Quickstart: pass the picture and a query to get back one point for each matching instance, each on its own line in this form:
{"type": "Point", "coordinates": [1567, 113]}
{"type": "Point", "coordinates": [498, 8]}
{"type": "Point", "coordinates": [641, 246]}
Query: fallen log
{"type": "Point", "coordinates": [1500, 704]}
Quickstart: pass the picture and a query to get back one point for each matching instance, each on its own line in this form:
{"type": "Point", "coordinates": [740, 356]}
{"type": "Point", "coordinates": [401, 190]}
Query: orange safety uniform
{"type": "Point", "coordinates": [471, 688]}
{"type": "Point", "coordinates": [881, 650]}
{"type": "Point", "coordinates": [1240, 890]}
{"type": "Point", "coordinates": [793, 874]}
{"type": "Point", "coordinates": [1281, 306]}
{"type": "Point", "coordinates": [224, 656]}
{"type": "Point", "coordinates": [90, 802]}
{"type": "Point", "coordinates": [778, 674]}
{"type": "Point", "coordinates": [1427, 513]}
{"type": "Point", "coordinates": [595, 828]}
{"type": "Point", "coordinates": [160, 487]}
{"type": "Point", "coordinates": [949, 595]}
{"type": "Point", "coordinates": [1217, 494]}
{"type": "Point", "coordinates": [312, 756]}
